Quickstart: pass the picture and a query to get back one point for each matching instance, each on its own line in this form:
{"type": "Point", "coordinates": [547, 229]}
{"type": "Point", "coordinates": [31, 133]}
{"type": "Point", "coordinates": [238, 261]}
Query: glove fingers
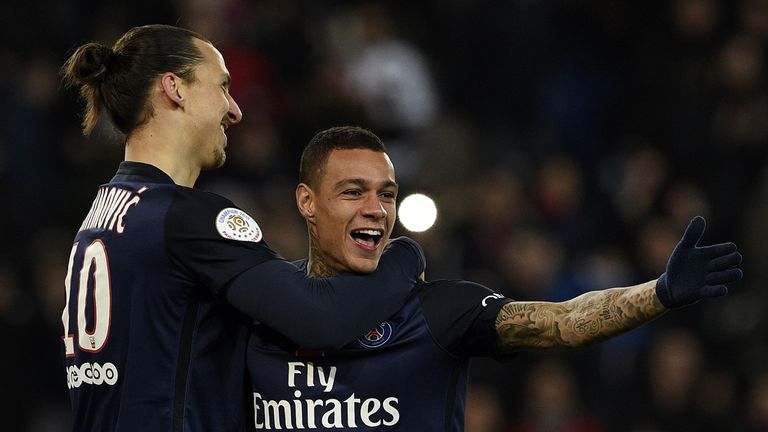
{"type": "Point", "coordinates": [719, 249]}
{"type": "Point", "coordinates": [713, 290]}
{"type": "Point", "coordinates": [694, 232]}
{"type": "Point", "coordinates": [724, 262]}
{"type": "Point", "coordinates": [724, 277]}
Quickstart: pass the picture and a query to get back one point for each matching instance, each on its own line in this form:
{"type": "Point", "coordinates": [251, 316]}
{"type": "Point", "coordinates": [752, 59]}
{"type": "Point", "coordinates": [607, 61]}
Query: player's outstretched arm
{"type": "Point", "coordinates": [693, 272]}
{"type": "Point", "coordinates": [588, 318]}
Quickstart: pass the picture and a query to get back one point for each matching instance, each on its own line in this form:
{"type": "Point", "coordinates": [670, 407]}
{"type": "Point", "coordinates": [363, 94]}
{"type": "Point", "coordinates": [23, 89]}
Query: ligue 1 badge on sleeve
{"type": "Point", "coordinates": [235, 224]}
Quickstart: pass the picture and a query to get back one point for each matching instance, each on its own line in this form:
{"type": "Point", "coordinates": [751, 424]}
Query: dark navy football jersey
{"type": "Point", "coordinates": [407, 374]}
{"type": "Point", "coordinates": [150, 343]}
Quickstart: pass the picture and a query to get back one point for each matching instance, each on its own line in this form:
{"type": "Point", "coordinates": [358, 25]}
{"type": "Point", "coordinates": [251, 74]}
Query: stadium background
{"type": "Point", "coordinates": [566, 143]}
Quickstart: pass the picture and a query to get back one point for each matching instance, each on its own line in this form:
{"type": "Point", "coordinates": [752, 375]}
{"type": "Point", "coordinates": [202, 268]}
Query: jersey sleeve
{"type": "Point", "coordinates": [461, 316]}
{"type": "Point", "coordinates": [197, 228]}
{"type": "Point", "coordinates": [328, 313]}
{"type": "Point", "coordinates": [222, 248]}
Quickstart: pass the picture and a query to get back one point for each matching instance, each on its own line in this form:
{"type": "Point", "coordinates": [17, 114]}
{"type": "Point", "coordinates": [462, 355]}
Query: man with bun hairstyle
{"type": "Point", "coordinates": [163, 280]}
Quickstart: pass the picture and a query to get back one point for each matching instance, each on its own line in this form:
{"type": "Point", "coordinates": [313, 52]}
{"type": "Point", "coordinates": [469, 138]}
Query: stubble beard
{"type": "Point", "coordinates": [219, 157]}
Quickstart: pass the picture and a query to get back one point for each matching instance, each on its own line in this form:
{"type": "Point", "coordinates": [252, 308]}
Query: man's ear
{"type": "Point", "coordinates": [173, 88]}
{"type": "Point", "coordinates": [305, 201]}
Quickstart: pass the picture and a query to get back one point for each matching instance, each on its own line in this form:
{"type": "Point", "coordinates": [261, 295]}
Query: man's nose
{"type": "Point", "coordinates": [374, 208]}
{"type": "Point", "coordinates": [234, 114]}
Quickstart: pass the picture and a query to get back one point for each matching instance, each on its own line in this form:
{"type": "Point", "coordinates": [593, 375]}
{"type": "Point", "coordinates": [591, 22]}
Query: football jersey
{"type": "Point", "coordinates": [150, 344]}
{"type": "Point", "coordinates": [407, 374]}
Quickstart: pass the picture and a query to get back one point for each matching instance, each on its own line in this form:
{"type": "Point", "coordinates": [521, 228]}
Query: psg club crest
{"type": "Point", "coordinates": [235, 224]}
{"type": "Point", "coordinates": [376, 337]}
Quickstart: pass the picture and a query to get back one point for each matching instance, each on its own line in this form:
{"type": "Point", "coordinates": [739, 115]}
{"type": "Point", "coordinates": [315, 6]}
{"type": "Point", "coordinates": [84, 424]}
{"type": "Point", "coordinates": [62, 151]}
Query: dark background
{"type": "Point", "coordinates": [566, 143]}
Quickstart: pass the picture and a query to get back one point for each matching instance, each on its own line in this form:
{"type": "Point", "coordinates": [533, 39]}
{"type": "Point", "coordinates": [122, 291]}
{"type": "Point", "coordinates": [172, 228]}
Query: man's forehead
{"type": "Point", "coordinates": [213, 57]}
{"type": "Point", "coordinates": [359, 164]}
{"type": "Point", "coordinates": [361, 155]}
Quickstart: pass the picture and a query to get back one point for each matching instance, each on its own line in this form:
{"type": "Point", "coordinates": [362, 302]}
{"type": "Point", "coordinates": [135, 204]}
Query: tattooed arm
{"type": "Point", "coordinates": [588, 318]}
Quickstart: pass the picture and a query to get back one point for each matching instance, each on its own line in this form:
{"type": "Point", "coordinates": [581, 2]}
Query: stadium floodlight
{"type": "Point", "coordinates": [417, 212]}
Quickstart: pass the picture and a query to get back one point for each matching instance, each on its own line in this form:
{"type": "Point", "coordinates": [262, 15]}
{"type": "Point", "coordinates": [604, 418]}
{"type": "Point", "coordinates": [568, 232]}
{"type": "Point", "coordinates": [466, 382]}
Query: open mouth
{"type": "Point", "coordinates": [367, 238]}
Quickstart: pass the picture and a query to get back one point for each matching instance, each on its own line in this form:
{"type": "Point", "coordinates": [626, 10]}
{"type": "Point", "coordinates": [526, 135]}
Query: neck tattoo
{"type": "Point", "coordinates": [317, 266]}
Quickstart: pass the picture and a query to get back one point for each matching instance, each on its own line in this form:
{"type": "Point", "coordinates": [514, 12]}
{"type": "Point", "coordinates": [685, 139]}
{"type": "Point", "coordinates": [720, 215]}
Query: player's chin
{"type": "Point", "coordinates": [217, 159]}
{"type": "Point", "coordinates": [221, 157]}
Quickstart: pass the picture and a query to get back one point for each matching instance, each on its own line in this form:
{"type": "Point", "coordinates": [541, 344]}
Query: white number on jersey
{"type": "Point", "coordinates": [95, 266]}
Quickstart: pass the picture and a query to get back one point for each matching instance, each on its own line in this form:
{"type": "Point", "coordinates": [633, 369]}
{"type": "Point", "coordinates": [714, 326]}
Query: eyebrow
{"type": "Point", "coordinates": [362, 183]}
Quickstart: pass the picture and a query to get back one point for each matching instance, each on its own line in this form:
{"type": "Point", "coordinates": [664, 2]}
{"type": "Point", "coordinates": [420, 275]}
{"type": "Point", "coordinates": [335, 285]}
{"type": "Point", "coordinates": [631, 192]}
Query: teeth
{"type": "Point", "coordinates": [369, 232]}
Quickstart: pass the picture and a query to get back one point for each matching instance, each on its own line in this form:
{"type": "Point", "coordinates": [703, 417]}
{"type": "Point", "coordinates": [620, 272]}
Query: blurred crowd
{"type": "Point", "coordinates": [566, 143]}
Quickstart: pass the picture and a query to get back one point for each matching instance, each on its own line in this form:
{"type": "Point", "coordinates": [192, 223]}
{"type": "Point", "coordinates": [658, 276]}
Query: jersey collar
{"type": "Point", "coordinates": [140, 173]}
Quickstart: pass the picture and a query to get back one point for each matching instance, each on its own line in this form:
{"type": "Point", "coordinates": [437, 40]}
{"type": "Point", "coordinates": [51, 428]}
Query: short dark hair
{"type": "Point", "coordinates": [119, 79]}
{"type": "Point", "coordinates": [316, 153]}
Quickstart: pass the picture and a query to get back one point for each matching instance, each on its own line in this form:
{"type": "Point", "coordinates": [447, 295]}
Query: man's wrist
{"type": "Point", "coordinates": [663, 293]}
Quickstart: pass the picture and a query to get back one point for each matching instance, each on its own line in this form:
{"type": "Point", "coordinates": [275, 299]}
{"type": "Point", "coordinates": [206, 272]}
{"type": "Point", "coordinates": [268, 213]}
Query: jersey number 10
{"type": "Point", "coordinates": [95, 266]}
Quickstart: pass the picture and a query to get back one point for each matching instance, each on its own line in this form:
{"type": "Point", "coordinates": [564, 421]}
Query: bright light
{"type": "Point", "coordinates": [417, 212]}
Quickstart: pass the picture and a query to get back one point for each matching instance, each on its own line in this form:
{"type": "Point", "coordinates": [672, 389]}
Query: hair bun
{"type": "Point", "coordinates": [94, 62]}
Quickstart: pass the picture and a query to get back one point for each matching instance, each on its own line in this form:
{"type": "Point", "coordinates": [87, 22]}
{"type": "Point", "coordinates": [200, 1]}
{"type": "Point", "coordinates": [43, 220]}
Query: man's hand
{"type": "Point", "coordinates": [695, 272]}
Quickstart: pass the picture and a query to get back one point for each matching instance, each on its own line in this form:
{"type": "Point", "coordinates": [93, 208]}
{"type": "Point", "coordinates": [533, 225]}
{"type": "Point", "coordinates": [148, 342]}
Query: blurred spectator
{"type": "Point", "coordinates": [685, 199]}
{"type": "Point", "coordinates": [495, 204]}
{"type": "Point", "coordinates": [483, 410]}
{"type": "Point", "coordinates": [674, 364]}
{"type": "Point", "coordinates": [530, 263]}
{"type": "Point", "coordinates": [635, 181]}
{"type": "Point", "coordinates": [656, 240]}
{"type": "Point", "coordinates": [716, 399]}
{"type": "Point", "coordinates": [753, 15]}
{"type": "Point", "coordinates": [559, 191]}
{"type": "Point", "coordinates": [552, 402]}
{"type": "Point", "coordinates": [757, 404]}
{"type": "Point", "coordinates": [388, 75]}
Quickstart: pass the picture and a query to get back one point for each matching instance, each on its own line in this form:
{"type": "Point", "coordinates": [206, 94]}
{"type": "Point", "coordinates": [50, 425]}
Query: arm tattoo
{"type": "Point", "coordinates": [589, 318]}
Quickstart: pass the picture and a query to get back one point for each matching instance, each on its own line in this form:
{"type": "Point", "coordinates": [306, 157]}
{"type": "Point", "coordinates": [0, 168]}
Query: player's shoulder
{"type": "Point", "coordinates": [451, 286]}
{"type": "Point", "coordinates": [408, 243]}
{"type": "Point", "coordinates": [191, 203]}
{"type": "Point", "coordinates": [201, 211]}
{"type": "Point", "coordinates": [450, 294]}
{"type": "Point", "coordinates": [194, 199]}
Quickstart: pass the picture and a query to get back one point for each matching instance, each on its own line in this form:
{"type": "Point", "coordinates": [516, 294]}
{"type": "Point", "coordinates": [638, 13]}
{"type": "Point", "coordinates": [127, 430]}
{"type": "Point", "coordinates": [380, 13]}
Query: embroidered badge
{"type": "Point", "coordinates": [235, 224]}
{"type": "Point", "coordinates": [376, 337]}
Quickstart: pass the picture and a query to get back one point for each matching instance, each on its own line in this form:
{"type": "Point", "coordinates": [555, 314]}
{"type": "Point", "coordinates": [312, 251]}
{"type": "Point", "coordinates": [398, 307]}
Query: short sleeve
{"type": "Point", "coordinates": [211, 239]}
{"type": "Point", "coordinates": [461, 316]}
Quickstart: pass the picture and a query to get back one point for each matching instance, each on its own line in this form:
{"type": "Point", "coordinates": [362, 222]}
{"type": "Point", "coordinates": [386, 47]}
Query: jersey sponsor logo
{"type": "Point", "coordinates": [331, 413]}
{"type": "Point", "coordinates": [377, 336]}
{"type": "Point", "coordinates": [491, 297]}
{"type": "Point", "coordinates": [339, 410]}
{"type": "Point", "coordinates": [91, 374]}
{"type": "Point", "coordinates": [235, 224]}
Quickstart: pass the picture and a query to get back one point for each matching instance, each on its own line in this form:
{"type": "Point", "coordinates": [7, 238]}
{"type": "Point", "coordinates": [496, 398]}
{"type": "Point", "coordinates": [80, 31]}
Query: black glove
{"type": "Point", "coordinates": [694, 272]}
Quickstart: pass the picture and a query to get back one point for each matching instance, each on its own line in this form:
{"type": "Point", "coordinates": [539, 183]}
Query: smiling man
{"type": "Point", "coordinates": [409, 372]}
{"type": "Point", "coordinates": [347, 196]}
